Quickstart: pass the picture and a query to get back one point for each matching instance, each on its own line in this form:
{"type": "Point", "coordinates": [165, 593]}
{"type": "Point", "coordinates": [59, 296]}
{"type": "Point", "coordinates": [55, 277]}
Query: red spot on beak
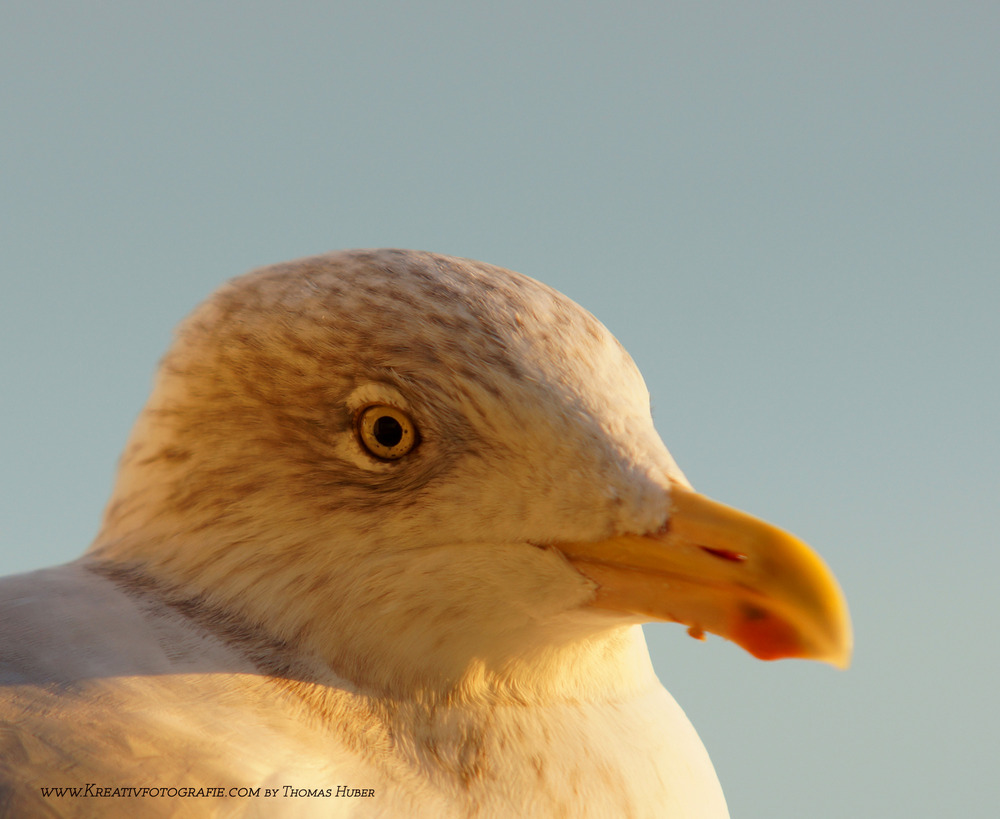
{"type": "Point", "coordinates": [724, 554]}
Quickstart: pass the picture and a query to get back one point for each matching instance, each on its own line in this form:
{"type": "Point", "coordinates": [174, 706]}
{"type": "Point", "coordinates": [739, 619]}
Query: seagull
{"type": "Point", "coordinates": [381, 544]}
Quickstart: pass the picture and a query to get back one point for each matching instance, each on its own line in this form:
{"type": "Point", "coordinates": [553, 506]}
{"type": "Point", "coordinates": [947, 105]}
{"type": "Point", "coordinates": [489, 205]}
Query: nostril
{"type": "Point", "coordinates": [724, 554]}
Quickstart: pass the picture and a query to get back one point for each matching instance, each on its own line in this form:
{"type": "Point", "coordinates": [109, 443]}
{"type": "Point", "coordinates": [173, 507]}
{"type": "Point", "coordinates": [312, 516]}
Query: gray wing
{"type": "Point", "coordinates": [102, 687]}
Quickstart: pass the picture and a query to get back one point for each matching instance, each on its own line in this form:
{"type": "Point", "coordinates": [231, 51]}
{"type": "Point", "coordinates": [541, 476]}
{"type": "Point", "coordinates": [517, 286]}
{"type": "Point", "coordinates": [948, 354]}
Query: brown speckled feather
{"type": "Point", "coordinates": [268, 604]}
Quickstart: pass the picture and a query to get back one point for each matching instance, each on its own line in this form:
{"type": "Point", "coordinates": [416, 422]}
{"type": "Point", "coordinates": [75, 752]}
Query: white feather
{"type": "Point", "coordinates": [268, 605]}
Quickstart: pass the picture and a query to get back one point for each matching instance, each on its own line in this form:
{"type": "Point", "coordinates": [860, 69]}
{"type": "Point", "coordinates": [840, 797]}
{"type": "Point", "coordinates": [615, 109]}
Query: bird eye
{"type": "Point", "coordinates": [386, 432]}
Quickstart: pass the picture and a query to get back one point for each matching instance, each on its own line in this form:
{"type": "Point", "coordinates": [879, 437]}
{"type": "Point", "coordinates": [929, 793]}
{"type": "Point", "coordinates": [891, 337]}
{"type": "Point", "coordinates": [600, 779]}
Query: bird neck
{"type": "Point", "coordinates": [421, 625]}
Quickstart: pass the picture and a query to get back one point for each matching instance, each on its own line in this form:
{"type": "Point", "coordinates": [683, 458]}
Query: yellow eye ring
{"type": "Point", "coordinates": [386, 432]}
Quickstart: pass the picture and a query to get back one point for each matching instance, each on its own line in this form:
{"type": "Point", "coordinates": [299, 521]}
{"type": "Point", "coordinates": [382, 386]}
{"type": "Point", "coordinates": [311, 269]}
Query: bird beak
{"type": "Point", "coordinates": [717, 569]}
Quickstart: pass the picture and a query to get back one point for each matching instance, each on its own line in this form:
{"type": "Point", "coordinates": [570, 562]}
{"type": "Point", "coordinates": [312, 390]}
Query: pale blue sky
{"type": "Point", "coordinates": [787, 212]}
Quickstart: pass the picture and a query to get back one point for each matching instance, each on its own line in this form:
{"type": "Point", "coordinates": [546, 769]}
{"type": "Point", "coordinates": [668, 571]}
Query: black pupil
{"type": "Point", "coordinates": [388, 431]}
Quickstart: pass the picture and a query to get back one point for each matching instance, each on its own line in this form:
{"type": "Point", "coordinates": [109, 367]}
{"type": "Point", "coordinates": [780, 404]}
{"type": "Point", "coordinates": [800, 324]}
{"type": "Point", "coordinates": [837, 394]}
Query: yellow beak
{"type": "Point", "coordinates": [717, 569]}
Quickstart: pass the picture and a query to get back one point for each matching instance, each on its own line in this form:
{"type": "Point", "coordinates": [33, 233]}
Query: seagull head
{"type": "Point", "coordinates": [430, 472]}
